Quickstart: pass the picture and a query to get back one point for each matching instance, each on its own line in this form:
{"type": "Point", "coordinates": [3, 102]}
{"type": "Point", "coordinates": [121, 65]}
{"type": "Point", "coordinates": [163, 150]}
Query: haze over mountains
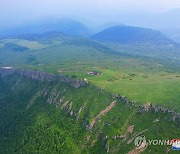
{"type": "Point", "coordinates": [161, 20]}
{"type": "Point", "coordinates": [58, 25]}
{"type": "Point", "coordinates": [128, 34]}
{"type": "Point", "coordinates": [174, 34]}
{"type": "Point", "coordinates": [114, 32]}
{"type": "Point", "coordinates": [165, 22]}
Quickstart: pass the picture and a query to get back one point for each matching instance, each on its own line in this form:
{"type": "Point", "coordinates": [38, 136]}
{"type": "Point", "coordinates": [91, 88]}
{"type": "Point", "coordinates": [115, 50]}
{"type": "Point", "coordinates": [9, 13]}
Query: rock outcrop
{"type": "Point", "coordinates": [147, 107]}
{"type": "Point", "coordinates": [42, 76]}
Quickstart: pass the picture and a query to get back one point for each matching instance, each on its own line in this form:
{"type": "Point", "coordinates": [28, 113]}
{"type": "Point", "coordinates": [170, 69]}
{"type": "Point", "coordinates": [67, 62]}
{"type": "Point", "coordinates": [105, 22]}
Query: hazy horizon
{"type": "Point", "coordinates": [91, 12]}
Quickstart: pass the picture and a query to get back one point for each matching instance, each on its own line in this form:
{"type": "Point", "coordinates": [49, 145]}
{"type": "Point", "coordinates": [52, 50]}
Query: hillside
{"type": "Point", "coordinates": [128, 34]}
{"type": "Point", "coordinates": [40, 116]}
{"type": "Point", "coordinates": [59, 25]}
{"type": "Point", "coordinates": [65, 94]}
{"type": "Point", "coordinates": [139, 79]}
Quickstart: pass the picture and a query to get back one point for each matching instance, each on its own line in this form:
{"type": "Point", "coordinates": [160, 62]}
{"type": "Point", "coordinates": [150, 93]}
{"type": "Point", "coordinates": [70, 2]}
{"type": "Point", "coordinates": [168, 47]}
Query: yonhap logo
{"type": "Point", "coordinates": [140, 142]}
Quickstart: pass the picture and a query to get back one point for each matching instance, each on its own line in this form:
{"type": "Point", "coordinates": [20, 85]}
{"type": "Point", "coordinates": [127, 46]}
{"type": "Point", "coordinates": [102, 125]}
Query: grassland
{"type": "Point", "coordinates": [141, 79]}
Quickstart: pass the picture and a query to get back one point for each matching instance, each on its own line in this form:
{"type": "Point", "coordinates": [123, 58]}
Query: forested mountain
{"type": "Point", "coordinates": [128, 34]}
{"type": "Point", "coordinates": [59, 25]}
{"type": "Point", "coordinates": [50, 115]}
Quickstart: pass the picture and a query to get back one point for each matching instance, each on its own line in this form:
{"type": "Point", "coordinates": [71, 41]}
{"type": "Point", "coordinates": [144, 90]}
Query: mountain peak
{"type": "Point", "coordinates": [129, 34]}
{"type": "Point", "coordinates": [62, 25]}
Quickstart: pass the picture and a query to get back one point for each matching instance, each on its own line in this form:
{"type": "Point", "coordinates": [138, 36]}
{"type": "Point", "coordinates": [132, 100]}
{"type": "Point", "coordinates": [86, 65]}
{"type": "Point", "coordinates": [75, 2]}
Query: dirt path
{"type": "Point", "coordinates": [129, 130]}
{"type": "Point", "coordinates": [107, 109]}
{"type": "Point", "coordinates": [138, 151]}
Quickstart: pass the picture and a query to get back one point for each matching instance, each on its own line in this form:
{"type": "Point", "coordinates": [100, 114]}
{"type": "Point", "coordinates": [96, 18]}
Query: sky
{"type": "Point", "coordinates": [20, 11]}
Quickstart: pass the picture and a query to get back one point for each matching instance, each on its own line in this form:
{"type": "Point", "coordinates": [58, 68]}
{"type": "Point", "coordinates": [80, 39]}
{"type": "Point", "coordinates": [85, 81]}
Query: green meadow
{"type": "Point", "coordinates": [141, 79]}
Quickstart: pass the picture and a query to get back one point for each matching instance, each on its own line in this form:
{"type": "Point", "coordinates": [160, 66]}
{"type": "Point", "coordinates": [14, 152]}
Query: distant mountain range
{"type": "Point", "coordinates": [60, 25]}
{"type": "Point", "coordinates": [114, 32]}
{"type": "Point", "coordinates": [168, 19]}
{"type": "Point", "coordinates": [128, 34]}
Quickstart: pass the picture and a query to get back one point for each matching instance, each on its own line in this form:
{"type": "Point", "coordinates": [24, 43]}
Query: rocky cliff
{"type": "Point", "coordinates": [42, 76]}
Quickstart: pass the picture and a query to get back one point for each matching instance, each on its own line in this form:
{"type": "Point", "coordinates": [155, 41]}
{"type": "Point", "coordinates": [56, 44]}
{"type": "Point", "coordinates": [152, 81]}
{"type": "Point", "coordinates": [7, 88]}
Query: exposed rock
{"type": "Point", "coordinates": [80, 110]}
{"type": "Point", "coordinates": [64, 104]}
{"type": "Point", "coordinates": [46, 90]}
{"type": "Point", "coordinates": [53, 97]}
{"type": "Point", "coordinates": [147, 107]}
{"type": "Point", "coordinates": [174, 117]}
{"type": "Point", "coordinates": [157, 120]}
{"type": "Point", "coordinates": [107, 109]}
{"type": "Point", "coordinates": [138, 151]}
{"type": "Point", "coordinates": [61, 100]}
{"type": "Point", "coordinates": [42, 76]}
{"type": "Point", "coordinates": [128, 131]}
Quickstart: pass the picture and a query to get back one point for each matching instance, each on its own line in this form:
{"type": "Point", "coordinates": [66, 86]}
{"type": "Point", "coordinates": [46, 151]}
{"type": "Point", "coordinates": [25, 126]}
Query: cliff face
{"type": "Point", "coordinates": [42, 112]}
{"type": "Point", "coordinates": [42, 76]}
{"type": "Point", "coordinates": [147, 107]}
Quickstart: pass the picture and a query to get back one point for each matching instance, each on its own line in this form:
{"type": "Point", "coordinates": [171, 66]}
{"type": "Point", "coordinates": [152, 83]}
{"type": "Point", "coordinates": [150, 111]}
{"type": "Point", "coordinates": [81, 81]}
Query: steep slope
{"type": "Point", "coordinates": [54, 117]}
{"type": "Point", "coordinates": [128, 34]}
{"type": "Point", "coordinates": [60, 25]}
